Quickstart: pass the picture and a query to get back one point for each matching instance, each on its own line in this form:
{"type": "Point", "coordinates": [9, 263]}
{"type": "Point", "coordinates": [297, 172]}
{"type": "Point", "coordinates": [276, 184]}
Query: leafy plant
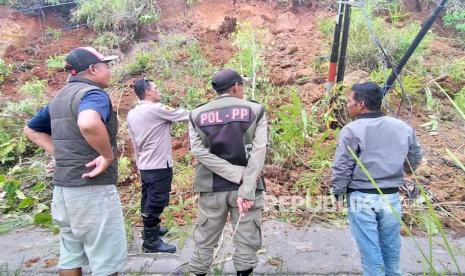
{"type": "Point", "coordinates": [34, 88]}
{"type": "Point", "coordinates": [457, 70]}
{"type": "Point", "coordinates": [12, 142]}
{"type": "Point", "coordinates": [248, 61]}
{"type": "Point", "coordinates": [149, 18]}
{"type": "Point", "coordinates": [290, 130]}
{"type": "Point", "coordinates": [455, 19]}
{"type": "Point", "coordinates": [5, 70]}
{"type": "Point", "coordinates": [107, 40]}
{"type": "Point", "coordinates": [320, 163]}
{"type": "Point", "coordinates": [121, 17]}
{"type": "Point", "coordinates": [144, 62]}
{"type": "Point", "coordinates": [363, 53]}
{"type": "Point", "coordinates": [395, 12]}
{"type": "Point", "coordinates": [175, 59]}
{"type": "Point", "coordinates": [124, 169]}
{"type": "Point", "coordinates": [56, 62]}
{"type": "Point", "coordinates": [432, 104]}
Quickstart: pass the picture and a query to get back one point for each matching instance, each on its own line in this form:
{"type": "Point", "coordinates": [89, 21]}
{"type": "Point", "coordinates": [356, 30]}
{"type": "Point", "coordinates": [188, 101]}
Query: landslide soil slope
{"type": "Point", "coordinates": [292, 42]}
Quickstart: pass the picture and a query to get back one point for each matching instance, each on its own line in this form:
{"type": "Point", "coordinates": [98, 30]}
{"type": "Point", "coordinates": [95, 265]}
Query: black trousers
{"type": "Point", "coordinates": [156, 188]}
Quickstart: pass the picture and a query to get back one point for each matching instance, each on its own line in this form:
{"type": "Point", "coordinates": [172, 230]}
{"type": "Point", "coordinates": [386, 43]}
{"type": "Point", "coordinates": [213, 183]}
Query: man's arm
{"type": "Point", "coordinates": [216, 164]}
{"type": "Point", "coordinates": [172, 115]}
{"type": "Point", "coordinates": [256, 161]}
{"type": "Point", "coordinates": [133, 140]}
{"type": "Point", "coordinates": [41, 139]}
{"type": "Point", "coordinates": [343, 164]}
{"type": "Point", "coordinates": [38, 130]}
{"type": "Point", "coordinates": [415, 153]}
{"type": "Point", "coordinates": [94, 109]}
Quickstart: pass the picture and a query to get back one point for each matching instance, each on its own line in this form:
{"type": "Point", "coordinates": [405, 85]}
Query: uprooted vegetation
{"type": "Point", "coordinates": [301, 115]}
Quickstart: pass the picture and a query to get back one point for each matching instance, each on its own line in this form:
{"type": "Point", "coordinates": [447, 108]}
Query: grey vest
{"type": "Point", "coordinates": [227, 127]}
{"type": "Point", "coordinates": [72, 152]}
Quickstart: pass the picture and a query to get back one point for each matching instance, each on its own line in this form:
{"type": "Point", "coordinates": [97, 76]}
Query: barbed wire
{"type": "Point", "coordinates": [44, 7]}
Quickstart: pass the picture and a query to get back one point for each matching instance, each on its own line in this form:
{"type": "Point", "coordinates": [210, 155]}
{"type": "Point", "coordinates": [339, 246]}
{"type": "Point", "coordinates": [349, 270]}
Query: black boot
{"type": "Point", "coordinates": [245, 272]}
{"type": "Point", "coordinates": [153, 243]}
{"type": "Point", "coordinates": [162, 231]}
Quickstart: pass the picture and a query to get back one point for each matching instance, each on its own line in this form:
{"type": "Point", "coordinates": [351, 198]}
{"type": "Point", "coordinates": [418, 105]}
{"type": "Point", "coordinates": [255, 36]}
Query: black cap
{"type": "Point", "coordinates": [79, 59]}
{"type": "Point", "coordinates": [225, 78]}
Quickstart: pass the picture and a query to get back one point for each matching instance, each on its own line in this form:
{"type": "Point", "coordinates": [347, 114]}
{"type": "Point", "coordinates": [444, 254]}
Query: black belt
{"type": "Point", "coordinates": [374, 191]}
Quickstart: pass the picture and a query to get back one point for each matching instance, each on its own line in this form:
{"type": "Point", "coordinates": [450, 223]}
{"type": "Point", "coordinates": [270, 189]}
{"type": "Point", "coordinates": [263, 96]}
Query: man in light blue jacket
{"type": "Point", "coordinates": [387, 147]}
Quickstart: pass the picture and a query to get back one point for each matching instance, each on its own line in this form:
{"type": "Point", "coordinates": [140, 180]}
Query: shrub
{"type": "Point", "coordinates": [363, 53]}
{"type": "Point", "coordinates": [456, 20]}
{"type": "Point", "coordinates": [457, 70]}
{"type": "Point", "coordinates": [290, 130]}
{"type": "Point", "coordinates": [56, 63]}
{"type": "Point", "coordinates": [5, 70]}
{"type": "Point", "coordinates": [143, 62]}
{"type": "Point", "coordinates": [248, 61]}
{"type": "Point", "coordinates": [34, 88]}
{"type": "Point", "coordinates": [121, 17]}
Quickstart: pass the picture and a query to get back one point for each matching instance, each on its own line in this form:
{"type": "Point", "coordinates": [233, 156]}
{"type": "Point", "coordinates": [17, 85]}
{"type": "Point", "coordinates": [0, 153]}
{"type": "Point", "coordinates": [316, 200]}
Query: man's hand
{"type": "Point", "coordinates": [339, 205]}
{"type": "Point", "coordinates": [244, 205]}
{"type": "Point", "coordinates": [50, 168]}
{"type": "Point", "coordinates": [99, 164]}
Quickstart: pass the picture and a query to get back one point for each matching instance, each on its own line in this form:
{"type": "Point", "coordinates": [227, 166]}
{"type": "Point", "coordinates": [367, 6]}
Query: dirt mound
{"type": "Point", "coordinates": [291, 35]}
{"type": "Point", "coordinates": [15, 28]}
{"type": "Point", "coordinates": [227, 27]}
{"type": "Point", "coordinates": [27, 44]}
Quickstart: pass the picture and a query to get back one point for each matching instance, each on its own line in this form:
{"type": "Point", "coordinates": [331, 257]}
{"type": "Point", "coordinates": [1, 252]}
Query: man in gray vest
{"type": "Point", "coordinates": [78, 127]}
{"type": "Point", "coordinates": [228, 137]}
{"type": "Point", "coordinates": [386, 147]}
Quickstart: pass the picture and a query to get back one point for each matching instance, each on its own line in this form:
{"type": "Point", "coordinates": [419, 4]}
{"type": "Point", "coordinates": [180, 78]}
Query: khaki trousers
{"type": "Point", "coordinates": [213, 212]}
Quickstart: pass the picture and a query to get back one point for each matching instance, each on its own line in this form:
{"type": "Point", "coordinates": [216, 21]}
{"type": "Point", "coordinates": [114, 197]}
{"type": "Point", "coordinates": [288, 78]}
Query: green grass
{"type": "Point", "coordinates": [455, 20]}
{"type": "Point", "coordinates": [290, 130]}
{"type": "Point", "coordinates": [460, 100]}
{"type": "Point", "coordinates": [56, 62]}
{"type": "Point", "coordinates": [249, 60]}
{"type": "Point", "coordinates": [362, 52]}
{"type": "Point", "coordinates": [34, 88]}
{"type": "Point", "coordinates": [178, 67]}
{"type": "Point", "coordinates": [143, 63]}
{"type": "Point", "coordinates": [119, 21]}
{"type": "Point", "coordinates": [320, 163]}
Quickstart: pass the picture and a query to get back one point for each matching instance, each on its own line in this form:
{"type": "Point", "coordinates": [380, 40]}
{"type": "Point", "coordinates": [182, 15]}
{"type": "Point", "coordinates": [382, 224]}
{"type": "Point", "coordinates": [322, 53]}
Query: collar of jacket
{"type": "Point", "coordinates": [370, 115]}
{"type": "Point", "coordinates": [147, 102]}
{"type": "Point", "coordinates": [81, 79]}
{"type": "Point", "coordinates": [225, 95]}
